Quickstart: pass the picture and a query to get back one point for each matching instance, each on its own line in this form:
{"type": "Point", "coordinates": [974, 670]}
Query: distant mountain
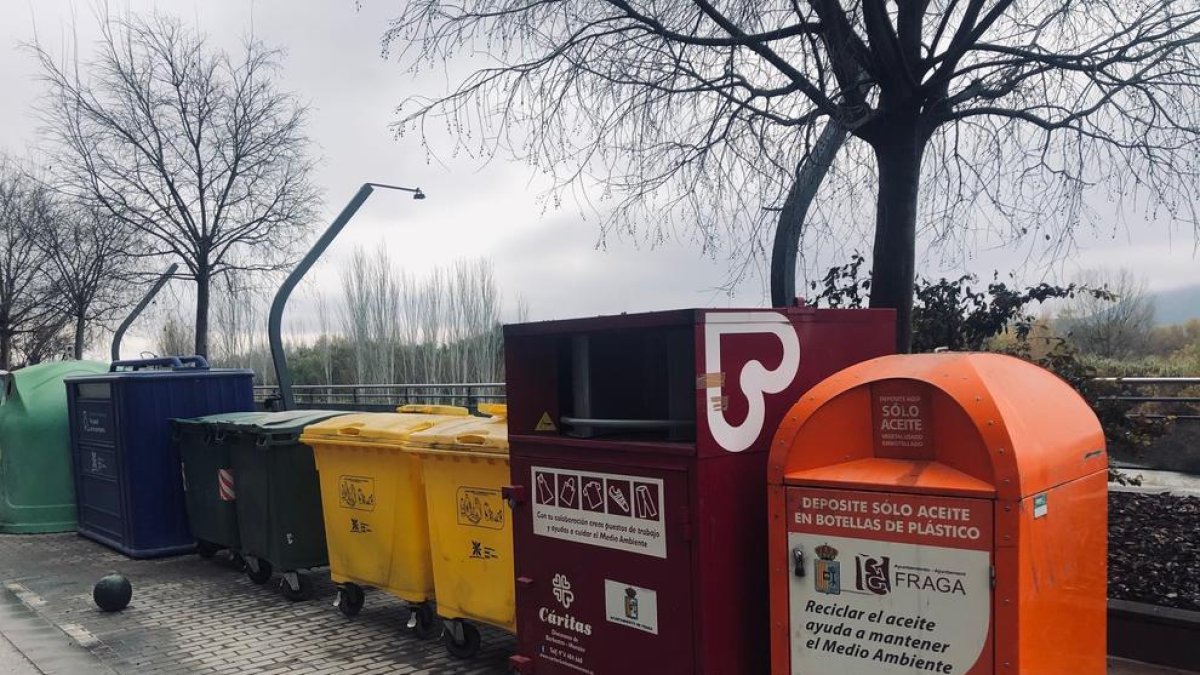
{"type": "Point", "coordinates": [1177, 305]}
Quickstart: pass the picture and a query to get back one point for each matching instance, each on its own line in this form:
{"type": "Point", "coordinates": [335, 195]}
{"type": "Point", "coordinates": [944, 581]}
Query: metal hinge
{"type": "Point", "coordinates": [515, 495]}
{"type": "Point", "coordinates": [992, 571]}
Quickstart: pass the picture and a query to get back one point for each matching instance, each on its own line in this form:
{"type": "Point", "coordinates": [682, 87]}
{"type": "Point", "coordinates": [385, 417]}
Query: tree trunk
{"type": "Point", "coordinates": [898, 155]}
{"type": "Point", "coordinates": [5, 350]}
{"type": "Point", "coordinates": [203, 281]}
{"type": "Point", "coordinates": [80, 327]}
{"type": "Point", "coordinates": [809, 175]}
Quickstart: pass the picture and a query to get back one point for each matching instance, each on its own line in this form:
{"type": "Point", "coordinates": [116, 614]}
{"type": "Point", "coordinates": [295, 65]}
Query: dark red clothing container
{"type": "Point", "coordinates": [638, 447]}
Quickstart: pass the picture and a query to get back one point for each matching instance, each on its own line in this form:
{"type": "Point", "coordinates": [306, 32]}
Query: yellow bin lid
{"type": "Point", "coordinates": [380, 428]}
{"type": "Point", "coordinates": [472, 434]}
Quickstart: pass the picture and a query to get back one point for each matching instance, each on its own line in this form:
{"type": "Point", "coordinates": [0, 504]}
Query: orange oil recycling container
{"type": "Point", "coordinates": [938, 513]}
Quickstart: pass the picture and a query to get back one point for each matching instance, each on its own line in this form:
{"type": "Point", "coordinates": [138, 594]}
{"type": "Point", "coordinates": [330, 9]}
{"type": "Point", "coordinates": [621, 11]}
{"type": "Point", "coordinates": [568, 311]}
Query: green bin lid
{"type": "Point", "coordinates": [217, 421]}
{"type": "Point", "coordinates": [277, 427]}
{"type": "Point", "coordinates": [376, 428]}
{"type": "Point", "coordinates": [44, 381]}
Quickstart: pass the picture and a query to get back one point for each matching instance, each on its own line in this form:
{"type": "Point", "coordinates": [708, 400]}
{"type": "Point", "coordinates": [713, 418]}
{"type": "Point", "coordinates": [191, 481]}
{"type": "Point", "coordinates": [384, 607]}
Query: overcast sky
{"type": "Point", "coordinates": [548, 257]}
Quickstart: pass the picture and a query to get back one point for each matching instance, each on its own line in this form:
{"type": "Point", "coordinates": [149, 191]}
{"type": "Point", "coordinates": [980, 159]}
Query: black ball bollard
{"type": "Point", "coordinates": [112, 593]}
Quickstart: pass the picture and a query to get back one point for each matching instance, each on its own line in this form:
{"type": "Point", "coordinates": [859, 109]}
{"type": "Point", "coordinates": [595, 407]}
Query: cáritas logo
{"type": "Point", "coordinates": [562, 590]}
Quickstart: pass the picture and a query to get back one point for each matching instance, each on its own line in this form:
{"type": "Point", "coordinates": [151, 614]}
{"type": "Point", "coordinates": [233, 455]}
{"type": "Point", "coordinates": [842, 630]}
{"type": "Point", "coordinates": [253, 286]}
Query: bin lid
{"type": "Point", "coordinates": [471, 434]}
{"type": "Point", "coordinates": [376, 428]}
{"type": "Point", "coordinates": [281, 422]}
{"type": "Point", "coordinates": [433, 409]}
{"type": "Point", "coordinates": [961, 424]}
{"type": "Point", "coordinates": [214, 421]}
{"type": "Point", "coordinates": [41, 385]}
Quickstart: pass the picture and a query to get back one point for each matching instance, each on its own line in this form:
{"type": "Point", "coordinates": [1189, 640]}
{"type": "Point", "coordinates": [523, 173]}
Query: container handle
{"type": "Point", "coordinates": [430, 409]}
{"type": "Point", "coordinates": [471, 439]}
{"type": "Point", "coordinates": [265, 440]}
{"type": "Point", "coordinates": [352, 430]}
{"type": "Point", "coordinates": [494, 409]}
{"type": "Point", "coordinates": [195, 362]}
{"type": "Point", "coordinates": [198, 362]}
{"type": "Point", "coordinates": [627, 424]}
{"type": "Point", "coordinates": [138, 364]}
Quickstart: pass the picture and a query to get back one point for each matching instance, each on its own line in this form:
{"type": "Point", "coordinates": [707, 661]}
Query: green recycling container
{"type": "Point", "coordinates": [208, 486]}
{"type": "Point", "coordinates": [37, 485]}
{"type": "Point", "coordinates": [280, 521]}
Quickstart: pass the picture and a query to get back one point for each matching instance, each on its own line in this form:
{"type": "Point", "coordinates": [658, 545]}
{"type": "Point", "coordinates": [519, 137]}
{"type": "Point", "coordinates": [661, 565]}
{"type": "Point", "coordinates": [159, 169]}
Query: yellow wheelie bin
{"type": "Point", "coordinates": [373, 498]}
{"type": "Point", "coordinates": [465, 465]}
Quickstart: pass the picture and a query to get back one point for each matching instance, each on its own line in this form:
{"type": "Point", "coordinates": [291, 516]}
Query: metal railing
{"type": "Point", "coordinates": [383, 397]}
{"type": "Point", "coordinates": [1164, 391]}
{"type": "Point", "coordinates": [1143, 394]}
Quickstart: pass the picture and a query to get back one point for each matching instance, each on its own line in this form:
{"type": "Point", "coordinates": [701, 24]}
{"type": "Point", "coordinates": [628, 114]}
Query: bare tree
{"type": "Point", "coordinates": [356, 311]}
{"type": "Point", "coordinates": [85, 252]}
{"type": "Point", "coordinates": [473, 320]}
{"type": "Point", "coordinates": [1117, 325]}
{"type": "Point", "coordinates": [325, 339]}
{"type": "Point", "coordinates": [26, 292]}
{"type": "Point", "coordinates": [193, 148]}
{"type": "Point", "coordinates": [385, 315]}
{"type": "Point", "coordinates": [174, 336]}
{"type": "Point", "coordinates": [704, 112]}
{"type": "Point", "coordinates": [239, 319]}
{"type": "Point", "coordinates": [444, 327]}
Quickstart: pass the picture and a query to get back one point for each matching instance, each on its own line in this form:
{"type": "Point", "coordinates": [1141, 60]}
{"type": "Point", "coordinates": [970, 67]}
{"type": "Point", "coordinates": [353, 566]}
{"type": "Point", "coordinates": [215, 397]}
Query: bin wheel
{"type": "Point", "coordinates": [206, 549]}
{"type": "Point", "coordinates": [236, 561]}
{"type": "Point", "coordinates": [304, 590]}
{"type": "Point", "coordinates": [424, 623]}
{"type": "Point", "coordinates": [465, 648]}
{"type": "Point", "coordinates": [258, 570]}
{"type": "Point", "coordinates": [350, 600]}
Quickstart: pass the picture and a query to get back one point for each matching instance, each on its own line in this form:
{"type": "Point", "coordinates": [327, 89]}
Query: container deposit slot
{"type": "Point", "coordinates": [632, 383]}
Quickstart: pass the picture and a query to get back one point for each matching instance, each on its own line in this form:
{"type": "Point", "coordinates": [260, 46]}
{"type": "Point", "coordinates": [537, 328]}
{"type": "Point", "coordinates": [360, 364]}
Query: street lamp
{"type": "Point", "coordinates": [275, 320]}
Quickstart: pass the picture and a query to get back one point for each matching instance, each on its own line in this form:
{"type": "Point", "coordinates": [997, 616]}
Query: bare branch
{"type": "Point", "coordinates": [195, 150]}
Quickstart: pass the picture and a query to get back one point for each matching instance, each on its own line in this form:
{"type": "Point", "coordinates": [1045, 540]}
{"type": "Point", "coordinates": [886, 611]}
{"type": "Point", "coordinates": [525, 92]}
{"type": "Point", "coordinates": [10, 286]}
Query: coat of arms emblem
{"type": "Point", "coordinates": [828, 576]}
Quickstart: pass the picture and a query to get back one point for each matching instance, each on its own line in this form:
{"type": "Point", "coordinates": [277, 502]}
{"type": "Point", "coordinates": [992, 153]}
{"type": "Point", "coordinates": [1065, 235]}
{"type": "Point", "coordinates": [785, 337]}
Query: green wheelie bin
{"type": "Point", "coordinates": [280, 521]}
{"type": "Point", "coordinates": [37, 487]}
{"type": "Point", "coordinates": [209, 489]}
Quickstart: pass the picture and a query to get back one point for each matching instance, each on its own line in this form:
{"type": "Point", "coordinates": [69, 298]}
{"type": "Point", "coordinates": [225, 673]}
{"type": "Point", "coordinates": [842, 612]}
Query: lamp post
{"type": "Point", "coordinates": [163, 278]}
{"type": "Point", "coordinates": [275, 320]}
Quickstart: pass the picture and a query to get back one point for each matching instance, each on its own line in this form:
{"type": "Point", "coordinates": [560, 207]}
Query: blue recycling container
{"type": "Point", "coordinates": [128, 477]}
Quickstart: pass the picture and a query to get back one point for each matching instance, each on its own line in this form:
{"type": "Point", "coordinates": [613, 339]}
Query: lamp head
{"type": "Point", "coordinates": [418, 194]}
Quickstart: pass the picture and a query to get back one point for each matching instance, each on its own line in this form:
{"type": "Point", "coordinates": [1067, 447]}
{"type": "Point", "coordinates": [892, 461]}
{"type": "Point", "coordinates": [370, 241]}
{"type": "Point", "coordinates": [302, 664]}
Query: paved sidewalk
{"type": "Point", "coordinates": [190, 615]}
{"type": "Point", "coordinates": [1123, 667]}
{"type": "Point", "coordinates": [13, 662]}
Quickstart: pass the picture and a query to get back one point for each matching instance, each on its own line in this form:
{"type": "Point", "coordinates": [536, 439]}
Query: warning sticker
{"type": "Point", "coordinates": [600, 509]}
{"type": "Point", "coordinates": [545, 423]}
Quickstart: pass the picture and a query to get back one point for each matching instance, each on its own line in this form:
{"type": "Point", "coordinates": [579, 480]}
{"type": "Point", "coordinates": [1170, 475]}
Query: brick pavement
{"type": "Point", "coordinates": [191, 615]}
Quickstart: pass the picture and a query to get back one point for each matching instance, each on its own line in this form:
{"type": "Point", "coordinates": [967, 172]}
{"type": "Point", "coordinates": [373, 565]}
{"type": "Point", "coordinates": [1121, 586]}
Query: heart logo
{"type": "Point", "coordinates": [755, 381]}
